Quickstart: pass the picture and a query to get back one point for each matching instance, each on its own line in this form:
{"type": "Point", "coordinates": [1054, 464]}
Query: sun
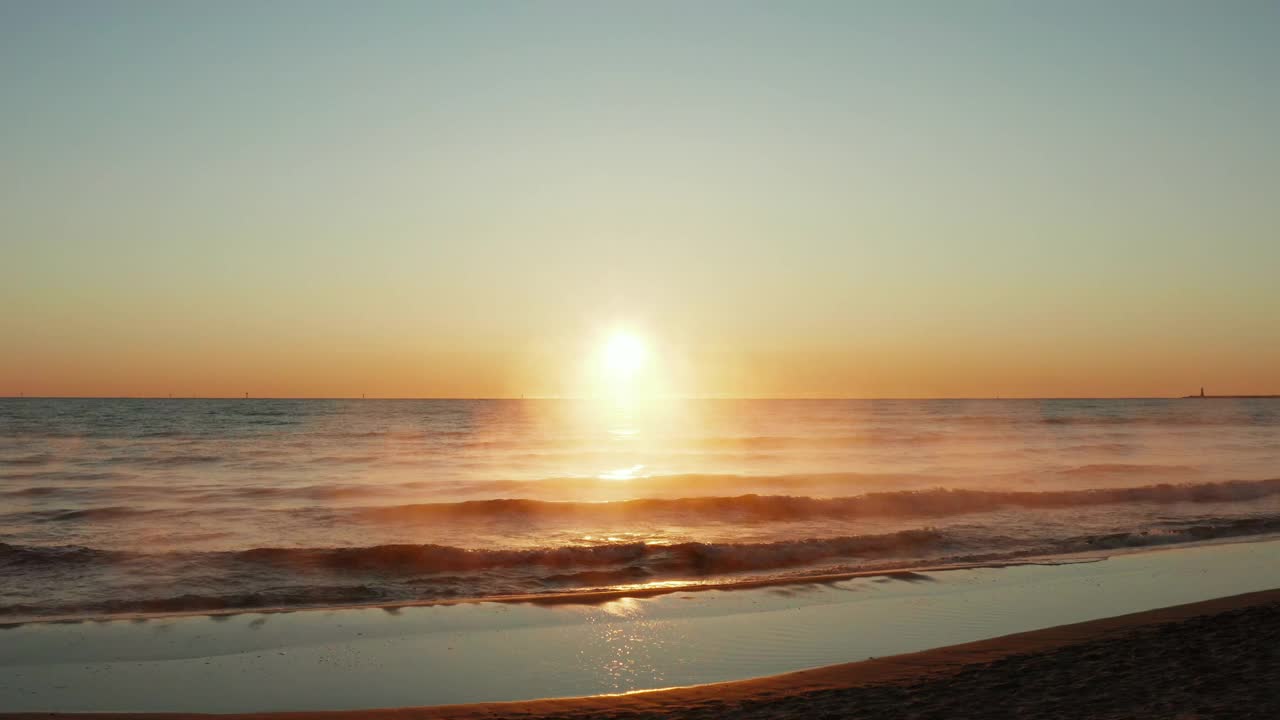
{"type": "Point", "coordinates": [623, 355]}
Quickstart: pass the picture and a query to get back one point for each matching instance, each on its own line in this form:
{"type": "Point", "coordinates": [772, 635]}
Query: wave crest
{"type": "Point", "coordinates": [938, 502]}
{"type": "Point", "coordinates": [297, 577]}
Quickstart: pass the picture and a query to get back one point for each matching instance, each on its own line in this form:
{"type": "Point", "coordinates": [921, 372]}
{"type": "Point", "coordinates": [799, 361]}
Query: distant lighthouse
{"type": "Point", "coordinates": [1201, 392]}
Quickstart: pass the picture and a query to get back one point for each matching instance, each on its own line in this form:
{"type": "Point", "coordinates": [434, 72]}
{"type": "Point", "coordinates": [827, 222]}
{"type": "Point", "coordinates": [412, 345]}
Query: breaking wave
{"type": "Point", "coordinates": [751, 508]}
{"type": "Point", "coordinates": [381, 574]}
{"type": "Point", "coordinates": [939, 502]}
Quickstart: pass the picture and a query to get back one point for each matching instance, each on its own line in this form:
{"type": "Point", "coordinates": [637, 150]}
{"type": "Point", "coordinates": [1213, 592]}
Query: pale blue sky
{"type": "Point", "coordinates": [1054, 196]}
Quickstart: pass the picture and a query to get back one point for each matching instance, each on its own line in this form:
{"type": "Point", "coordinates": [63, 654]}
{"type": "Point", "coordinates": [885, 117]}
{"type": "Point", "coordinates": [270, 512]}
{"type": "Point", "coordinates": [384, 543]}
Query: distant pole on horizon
{"type": "Point", "coordinates": [1201, 391]}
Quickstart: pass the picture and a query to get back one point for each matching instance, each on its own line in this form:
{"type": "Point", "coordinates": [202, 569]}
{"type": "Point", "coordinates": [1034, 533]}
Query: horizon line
{"type": "Point", "coordinates": [671, 397]}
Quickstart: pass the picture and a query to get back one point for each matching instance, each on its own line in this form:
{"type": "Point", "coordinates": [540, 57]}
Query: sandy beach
{"type": "Point", "coordinates": [1214, 659]}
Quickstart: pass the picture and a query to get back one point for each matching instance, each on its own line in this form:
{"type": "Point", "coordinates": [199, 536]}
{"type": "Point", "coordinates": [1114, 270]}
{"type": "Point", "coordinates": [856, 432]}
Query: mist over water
{"type": "Point", "coordinates": [167, 505]}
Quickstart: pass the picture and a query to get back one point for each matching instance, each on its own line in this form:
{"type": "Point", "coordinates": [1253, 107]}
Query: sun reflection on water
{"type": "Point", "coordinates": [625, 646]}
{"type": "Point", "coordinates": [625, 473]}
{"type": "Point", "coordinates": [622, 607]}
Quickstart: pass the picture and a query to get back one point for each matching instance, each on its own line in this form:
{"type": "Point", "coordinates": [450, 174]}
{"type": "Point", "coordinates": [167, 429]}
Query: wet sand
{"type": "Point", "coordinates": [1213, 659]}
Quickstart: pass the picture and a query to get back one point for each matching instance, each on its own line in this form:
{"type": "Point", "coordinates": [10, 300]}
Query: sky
{"type": "Point", "coordinates": [808, 199]}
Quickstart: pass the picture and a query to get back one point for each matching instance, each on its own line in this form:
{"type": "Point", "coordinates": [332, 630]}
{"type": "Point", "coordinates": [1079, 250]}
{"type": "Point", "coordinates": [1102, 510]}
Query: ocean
{"type": "Point", "coordinates": [112, 506]}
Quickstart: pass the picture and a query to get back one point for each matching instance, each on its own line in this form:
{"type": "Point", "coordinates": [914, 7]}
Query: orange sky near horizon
{"type": "Point", "coordinates": [546, 373]}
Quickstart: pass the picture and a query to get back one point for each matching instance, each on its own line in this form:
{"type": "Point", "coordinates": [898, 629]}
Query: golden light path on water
{"type": "Point", "coordinates": [626, 381]}
{"type": "Point", "coordinates": [626, 473]}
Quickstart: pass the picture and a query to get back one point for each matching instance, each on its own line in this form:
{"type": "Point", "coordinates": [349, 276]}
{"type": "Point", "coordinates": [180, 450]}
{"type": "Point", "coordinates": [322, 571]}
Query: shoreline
{"type": "Point", "coordinates": [597, 596]}
{"type": "Point", "coordinates": [793, 694]}
{"type": "Point", "coordinates": [308, 663]}
{"type": "Point", "coordinates": [604, 595]}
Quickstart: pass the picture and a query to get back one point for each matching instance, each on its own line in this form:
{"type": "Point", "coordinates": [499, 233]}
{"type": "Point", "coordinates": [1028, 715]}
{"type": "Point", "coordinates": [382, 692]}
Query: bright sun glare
{"type": "Point", "coordinates": [624, 354]}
